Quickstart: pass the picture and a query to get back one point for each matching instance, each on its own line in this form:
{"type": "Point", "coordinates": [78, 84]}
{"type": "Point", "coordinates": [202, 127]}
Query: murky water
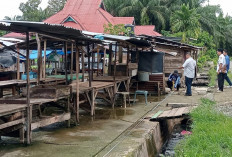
{"type": "Point", "coordinates": [92, 134]}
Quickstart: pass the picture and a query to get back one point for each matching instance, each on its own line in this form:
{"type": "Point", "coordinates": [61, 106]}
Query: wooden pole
{"type": "Point", "coordinates": [93, 60]}
{"type": "Point", "coordinates": [115, 61]}
{"type": "Point", "coordinates": [72, 62]}
{"type": "Point", "coordinates": [65, 62]}
{"type": "Point", "coordinates": [90, 82]}
{"type": "Point", "coordinates": [29, 111]}
{"type": "Point", "coordinates": [104, 62]}
{"type": "Point", "coordinates": [83, 65]}
{"type": "Point", "coordinates": [44, 59]}
{"type": "Point", "coordinates": [77, 85]}
{"type": "Point", "coordinates": [18, 65]}
{"type": "Point", "coordinates": [110, 61]}
{"type": "Point", "coordinates": [120, 54]}
{"type": "Point", "coordinates": [98, 49]}
{"type": "Point", "coordinates": [128, 60]}
{"type": "Point", "coordinates": [39, 59]}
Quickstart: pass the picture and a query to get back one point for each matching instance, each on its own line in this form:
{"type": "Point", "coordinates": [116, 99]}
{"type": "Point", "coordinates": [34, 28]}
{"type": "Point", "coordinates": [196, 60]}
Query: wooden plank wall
{"type": "Point", "coordinates": [152, 86]}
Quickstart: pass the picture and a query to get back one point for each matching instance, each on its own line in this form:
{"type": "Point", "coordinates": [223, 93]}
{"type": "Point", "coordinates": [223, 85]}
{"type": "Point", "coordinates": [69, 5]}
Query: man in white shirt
{"type": "Point", "coordinates": [221, 69]}
{"type": "Point", "coordinates": [189, 67]}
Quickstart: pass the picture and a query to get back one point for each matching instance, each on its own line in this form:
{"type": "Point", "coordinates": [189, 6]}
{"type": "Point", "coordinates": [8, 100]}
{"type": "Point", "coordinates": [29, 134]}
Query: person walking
{"type": "Point", "coordinates": [174, 81]}
{"type": "Point", "coordinates": [189, 72]}
{"type": "Point", "coordinates": [221, 69]}
{"type": "Point", "coordinates": [227, 58]}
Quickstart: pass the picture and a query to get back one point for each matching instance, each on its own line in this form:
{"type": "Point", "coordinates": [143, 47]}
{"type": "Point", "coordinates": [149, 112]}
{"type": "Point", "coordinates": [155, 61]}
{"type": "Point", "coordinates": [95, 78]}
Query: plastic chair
{"type": "Point", "coordinates": [141, 92]}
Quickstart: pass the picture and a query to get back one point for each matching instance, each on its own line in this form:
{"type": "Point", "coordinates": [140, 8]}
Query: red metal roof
{"type": "Point", "coordinates": [89, 15]}
{"type": "Point", "coordinates": [146, 30]}
{"type": "Point", "coordinates": [15, 35]}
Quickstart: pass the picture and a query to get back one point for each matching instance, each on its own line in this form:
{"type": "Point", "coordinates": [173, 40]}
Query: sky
{"type": "Point", "coordinates": [10, 7]}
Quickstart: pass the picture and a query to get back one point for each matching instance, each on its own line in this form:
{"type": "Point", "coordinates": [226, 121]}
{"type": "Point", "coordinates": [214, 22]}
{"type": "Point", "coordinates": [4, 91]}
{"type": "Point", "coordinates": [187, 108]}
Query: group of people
{"type": "Point", "coordinates": [189, 66]}
{"type": "Point", "coordinates": [223, 66]}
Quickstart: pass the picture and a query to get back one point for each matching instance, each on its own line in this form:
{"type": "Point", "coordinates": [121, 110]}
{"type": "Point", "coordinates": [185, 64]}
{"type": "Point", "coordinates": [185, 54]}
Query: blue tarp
{"type": "Point", "coordinates": [60, 52]}
{"type": "Point", "coordinates": [34, 53]}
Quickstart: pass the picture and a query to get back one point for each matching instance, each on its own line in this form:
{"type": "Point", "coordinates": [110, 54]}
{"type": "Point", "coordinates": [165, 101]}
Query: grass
{"type": "Point", "coordinates": [212, 77]}
{"type": "Point", "coordinates": [212, 134]}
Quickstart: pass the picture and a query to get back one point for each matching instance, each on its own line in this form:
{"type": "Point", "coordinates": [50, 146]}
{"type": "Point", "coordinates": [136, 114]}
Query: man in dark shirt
{"type": "Point", "coordinates": [227, 67]}
{"type": "Point", "coordinates": [174, 80]}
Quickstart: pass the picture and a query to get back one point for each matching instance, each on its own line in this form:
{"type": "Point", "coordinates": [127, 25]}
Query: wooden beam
{"type": "Point", "coordinates": [120, 54]}
{"type": "Point", "coordinates": [72, 61]}
{"type": "Point", "coordinates": [18, 65]}
{"type": "Point", "coordinates": [29, 108]}
{"type": "Point", "coordinates": [51, 120]}
{"type": "Point", "coordinates": [39, 58]}
{"type": "Point", "coordinates": [12, 123]}
{"type": "Point", "coordinates": [77, 86]}
{"type": "Point", "coordinates": [66, 62]}
{"type": "Point", "coordinates": [83, 65]}
{"type": "Point", "coordinates": [44, 59]}
{"type": "Point", "coordinates": [110, 60]}
{"type": "Point", "coordinates": [104, 62]}
{"type": "Point", "coordinates": [90, 82]}
{"type": "Point", "coordinates": [98, 49]}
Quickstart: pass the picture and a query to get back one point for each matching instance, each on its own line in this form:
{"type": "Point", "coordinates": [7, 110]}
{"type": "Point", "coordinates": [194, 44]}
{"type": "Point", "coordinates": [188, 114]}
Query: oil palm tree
{"type": "Point", "coordinates": [145, 12]}
{"type": "Point", "coordinates": [186, 21]}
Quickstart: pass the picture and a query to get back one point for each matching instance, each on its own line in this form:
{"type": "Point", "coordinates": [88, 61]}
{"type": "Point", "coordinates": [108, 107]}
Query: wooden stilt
{"type": "Point", "coordinates": [39, 59]}
{"type": "Point", "coordinates": [83, 65]}
{"type": "Point", "coordinates": [18, 65]}
{"type": "Point", "coordinates": [66, 62]}
{"type": "Point", "coordinates": [98, 49]}
{"type": "Point", "coordinates": [29, 108]}
{"type": "Point", "coordinates": [72, 62]}
{"type": "Point", "coordinates": [120, 55]}
{"type": "Point", "coordinates": [104, 62]}
{"type": "Point", "coordinates": [77, 85]}
{"type": "Point", "coordinates": [110, 61]}
{"type": "Point", "coordinates": [93, 60]}
{"type": "Point", "coordinates": [89, 68]}
{"type": "Point", "coordinates": [92, 103]}
{"type": "Point", "coordinates": [44, 59]}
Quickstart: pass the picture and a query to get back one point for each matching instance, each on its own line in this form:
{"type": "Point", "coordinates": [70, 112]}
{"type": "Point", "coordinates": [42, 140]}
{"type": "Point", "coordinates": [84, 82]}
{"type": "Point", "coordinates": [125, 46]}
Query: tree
{"type": "Point", "coordinates": [54, 6]}
{"type": "Point", "coordinates": [31, 11]}
{"type": "Point", "coordinates": [118, 29]}
{"type": "Point", "coordinates": [14, 18]}
{"type": "Point", "coordinates": [146, 12]}
{"type": "Point", "coordinates": [186, 22]}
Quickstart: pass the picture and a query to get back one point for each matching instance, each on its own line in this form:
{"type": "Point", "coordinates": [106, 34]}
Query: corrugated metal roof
{"type": "Point", "coordinates": [55, 30]}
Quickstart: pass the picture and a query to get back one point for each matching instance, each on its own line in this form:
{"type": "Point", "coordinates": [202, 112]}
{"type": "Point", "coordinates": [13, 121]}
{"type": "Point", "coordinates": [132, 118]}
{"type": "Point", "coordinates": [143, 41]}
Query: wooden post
{"type": "Point", "coordinates": [72, 62]}
{"type": "Point", "coordinates": [39, 59]}
{"type": "Point", "coordinates": [93, 60]}
{"type": "Point", "coordinates": [83, 65]}
{"type": "Point", "coordinates": [44, 59]}
{"type": "Point", "coordinates": [92, 102]}
{"type": "Point", "coordinates": [18, 65]}
{"type": "Point", "coordinates": [65, 62]}
{"type": "Point", "coordinates": [115, 61]}
{"type": "Point", "coordinates": [29, 109]}
{"type": "Point", "coordinates": [98, 49]}
{"type": "Point", "coordinates": [128, 60]}
{"type": "Point", "coordinates": [120, 54]}
{"type": "Point", "coordinates": [55, 68]}
{"type": "Point", "coordinates": [110, 61]}
{"type": "Point", "coordinates": [104, 62]}
{"type": "Point", "coordinates": [77, 85]}
{"type": "Point", "coordinates": [90, 82]}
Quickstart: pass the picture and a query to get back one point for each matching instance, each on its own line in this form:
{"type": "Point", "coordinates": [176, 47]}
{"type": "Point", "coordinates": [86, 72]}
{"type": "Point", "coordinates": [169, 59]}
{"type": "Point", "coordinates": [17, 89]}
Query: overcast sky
{"type": "Point", "coordinates": [10, 7]}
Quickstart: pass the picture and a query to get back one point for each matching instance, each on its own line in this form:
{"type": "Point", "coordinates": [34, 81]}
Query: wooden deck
{"type": "Point", "coordinates": [173, 113]}
{"type": "Point", "coordinates": [111, 78]}
{"type": "Point", "coordinates": [6, 109]}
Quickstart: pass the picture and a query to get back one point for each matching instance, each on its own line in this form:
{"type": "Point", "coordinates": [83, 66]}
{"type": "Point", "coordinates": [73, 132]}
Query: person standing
{"type": "Point", "coordinates": [174, 80]}
{"type": "Point", "coordinates": [189, 72]}
{"type": "Point", "coordinates": [221, 69]}
{"type": "Point", "coordinates": [227, 67]}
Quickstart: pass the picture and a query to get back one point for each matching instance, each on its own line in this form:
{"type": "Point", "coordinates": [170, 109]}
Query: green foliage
{"type": "Point", "coordinates": [186, 21]}
{"type": "Point", "coordinates": [211, 133]}
{"type": "Point", "coordinates": [212, 77]}
{"type": "Point", "coordinates": [2, 33]}
{"type": "Point", "coordinates": [118, 29]}
{"type": "Point", "coordinates": [55, 6]}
